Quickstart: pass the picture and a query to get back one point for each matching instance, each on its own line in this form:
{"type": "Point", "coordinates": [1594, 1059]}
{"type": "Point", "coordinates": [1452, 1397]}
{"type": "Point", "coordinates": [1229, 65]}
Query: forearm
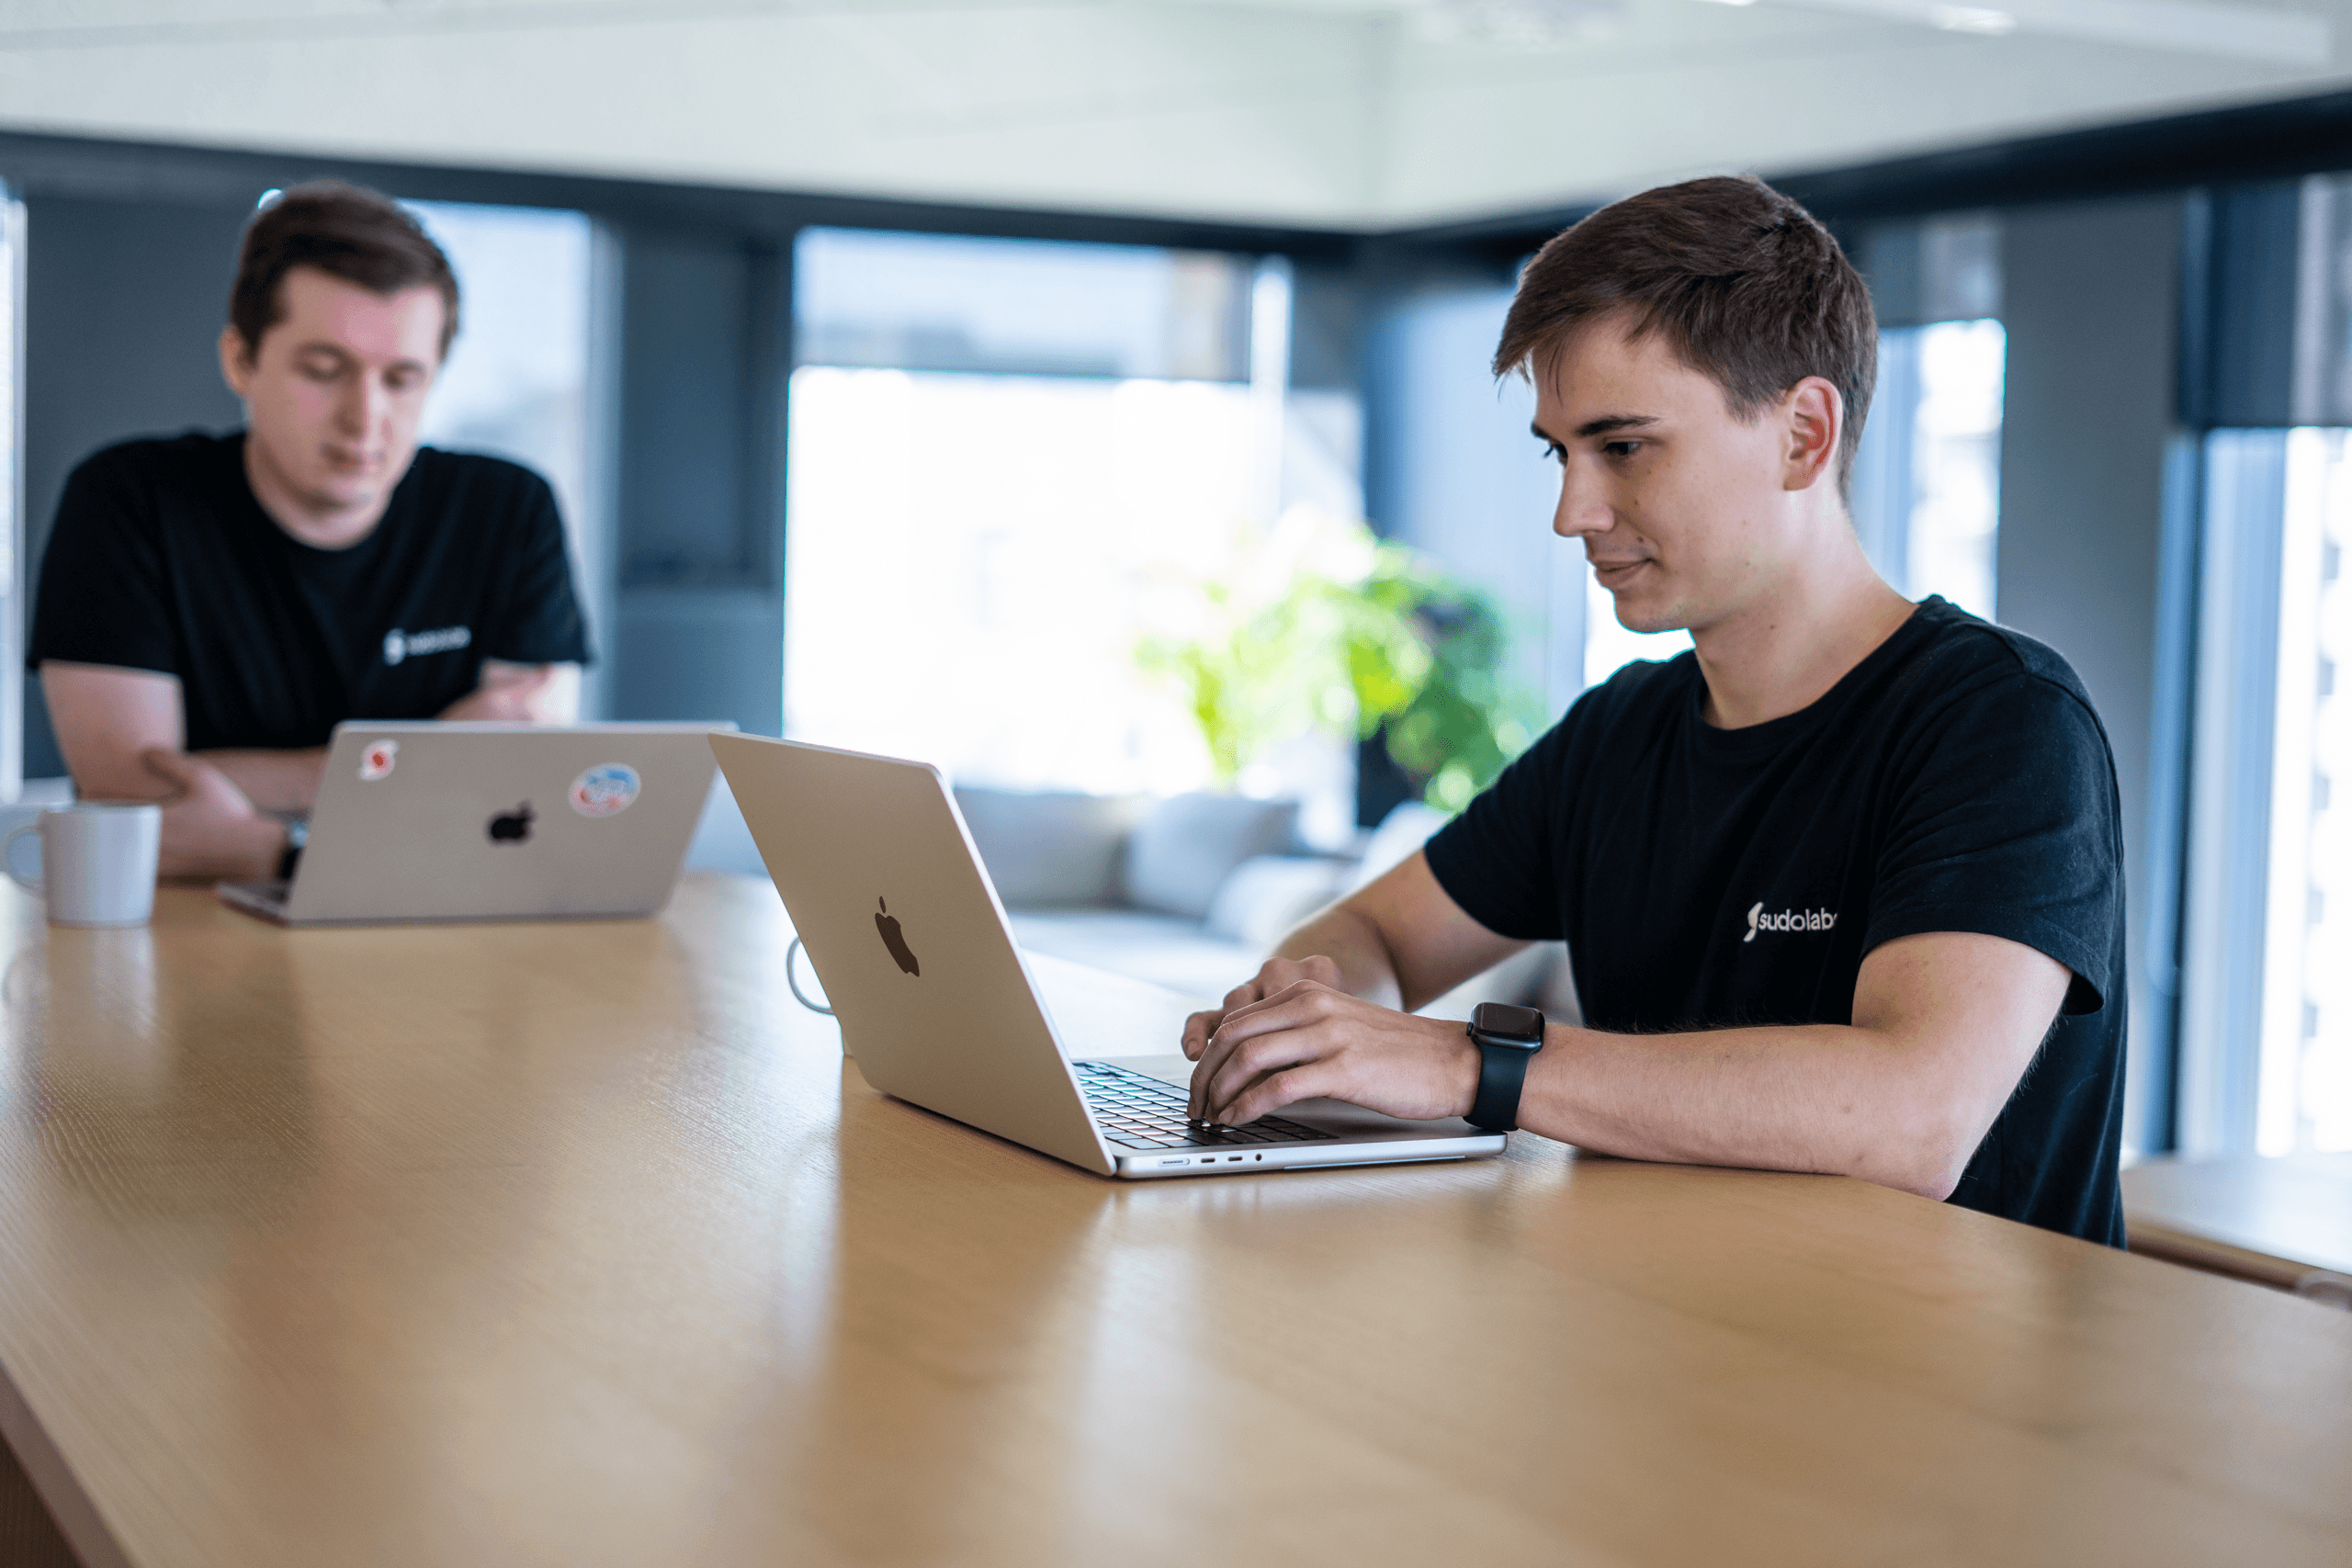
{"type": "Point", "coordinates": [521, 694]}
{"type": "Point", "coordinates": [235, 851]}
{"type": "Point", "coordinates": [282, 782]}
{"type": "Point", "coordinates": [1818, 1097]}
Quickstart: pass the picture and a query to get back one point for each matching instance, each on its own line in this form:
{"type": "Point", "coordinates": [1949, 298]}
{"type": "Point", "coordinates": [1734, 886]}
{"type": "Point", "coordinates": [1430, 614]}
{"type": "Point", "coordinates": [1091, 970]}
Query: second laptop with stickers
{"type": "Point", "coordinates": [430, 821]}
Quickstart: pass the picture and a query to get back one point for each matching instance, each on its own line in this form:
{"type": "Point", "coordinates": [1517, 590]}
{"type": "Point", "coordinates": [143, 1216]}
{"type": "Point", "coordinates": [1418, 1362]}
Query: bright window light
{"type": "Point", "coordinates": [1927, 497]}
{"type": "Point", "coordinates": [1011, 460]}
{"type": "Point", "coordinates": [2303, 1099]}
{"type": "Point", "coordinates": [516, 384]}
{"type": "Point", "coordinates": [1956, 512]}
{"type": "Point", "coordinates": [970, 558]}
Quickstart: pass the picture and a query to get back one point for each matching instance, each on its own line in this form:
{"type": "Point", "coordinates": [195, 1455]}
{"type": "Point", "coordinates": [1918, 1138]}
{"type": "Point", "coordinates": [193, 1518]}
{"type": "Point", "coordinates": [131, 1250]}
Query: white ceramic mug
{"type": "Point", "coordinates": [97, 862]}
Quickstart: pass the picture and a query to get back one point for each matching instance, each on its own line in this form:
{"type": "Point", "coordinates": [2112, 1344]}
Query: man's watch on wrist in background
{"type": "Point", "coordinates": [298, 833]}
{"type": "Point", "coordinates": [1507, 1037]}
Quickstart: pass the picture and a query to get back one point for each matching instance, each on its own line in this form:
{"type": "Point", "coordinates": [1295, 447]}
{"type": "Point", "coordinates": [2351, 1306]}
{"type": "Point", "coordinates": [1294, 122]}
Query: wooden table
{"type": "Point", "coordinates": [2285, 1221]}
{"type": "Point", "coordinates": [580, 1244]}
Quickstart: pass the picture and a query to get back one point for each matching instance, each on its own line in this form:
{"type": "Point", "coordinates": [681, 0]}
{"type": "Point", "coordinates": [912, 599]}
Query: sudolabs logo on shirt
{"type": "Point", "coordinates": [1787, 920]}
{"type": "Point", "coordinates": [399, 645]}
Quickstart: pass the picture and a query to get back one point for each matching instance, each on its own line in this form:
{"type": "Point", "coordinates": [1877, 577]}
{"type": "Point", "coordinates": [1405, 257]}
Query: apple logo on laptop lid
{"type": "Point", "coordinates": [887, 924]}
{"type": "Point", "coordinates": [512, 826]}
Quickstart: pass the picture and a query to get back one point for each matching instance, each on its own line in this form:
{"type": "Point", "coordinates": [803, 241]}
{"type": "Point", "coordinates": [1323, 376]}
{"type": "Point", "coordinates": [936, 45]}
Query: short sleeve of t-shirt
{"type": "Point", "coordinates": [538, 619]}
{"type": "Point", "coordinates": [1497, 860]}
{"type": "Point", "coordinates": [103, 598]}
{"type": "Point", "coordinates": [2006, 826]}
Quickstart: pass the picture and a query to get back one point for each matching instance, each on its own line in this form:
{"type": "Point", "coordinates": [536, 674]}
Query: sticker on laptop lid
{"type": "Point", "coordinates": [376, 763]}
{"type": "Point", "coordinates": [605, 790]}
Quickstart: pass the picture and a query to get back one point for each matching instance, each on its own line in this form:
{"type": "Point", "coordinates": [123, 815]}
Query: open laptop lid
{"type": "Point", "coordinates": [885, 890]}
{"type": "Point", "coordinates": [434, 821]}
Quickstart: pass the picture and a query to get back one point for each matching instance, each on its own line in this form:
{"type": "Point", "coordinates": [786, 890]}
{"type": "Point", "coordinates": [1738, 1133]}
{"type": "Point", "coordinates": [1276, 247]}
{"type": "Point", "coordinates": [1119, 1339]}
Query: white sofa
{"type": "Point", "coordinates": [1191, 892]}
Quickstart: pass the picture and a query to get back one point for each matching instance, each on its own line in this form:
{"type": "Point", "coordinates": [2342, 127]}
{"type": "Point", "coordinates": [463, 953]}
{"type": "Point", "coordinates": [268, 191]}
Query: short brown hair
{"type": "Point", "coordinates": [354, 234]}
{"type": "Point", "coordinates": [1746, 285]}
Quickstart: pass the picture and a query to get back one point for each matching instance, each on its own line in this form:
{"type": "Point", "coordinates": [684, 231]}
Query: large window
{"type": "Point", "coordinates": [2267, 1012]}
{"type": "Point", "coordinates": [1008, 461]}
{"type": "Point", "coordinates": [1927, 478]}
{"type": "Point", "coordinates": [2305, 1096]}
{"type": "Point", "coordinates": [517, 382]}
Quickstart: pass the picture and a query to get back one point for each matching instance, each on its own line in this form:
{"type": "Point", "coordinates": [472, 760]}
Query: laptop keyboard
{"type": "Point", "coordinates": [1140, 1113]}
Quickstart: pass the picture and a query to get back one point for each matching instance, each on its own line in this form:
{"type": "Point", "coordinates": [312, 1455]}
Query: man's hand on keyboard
{"type": "Point", "coordinates": [1289, 1036]}
{"type": "Point", "coordinates": [1274, 975]}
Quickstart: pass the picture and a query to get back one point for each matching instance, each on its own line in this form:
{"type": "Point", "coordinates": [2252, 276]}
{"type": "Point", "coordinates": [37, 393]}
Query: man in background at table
{"type": "Point", "coordinates": [211, 606]}
{"type": "Point", "coordinates": [1842, 886]}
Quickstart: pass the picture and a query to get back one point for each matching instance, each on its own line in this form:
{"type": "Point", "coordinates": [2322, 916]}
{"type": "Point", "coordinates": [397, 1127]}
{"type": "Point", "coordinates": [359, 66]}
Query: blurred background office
{"type": "Point", "coordinates": [906, 369]}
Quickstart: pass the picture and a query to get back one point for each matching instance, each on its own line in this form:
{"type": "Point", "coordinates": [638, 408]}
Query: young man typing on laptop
{"type": "Point", "coordinates": [1842, 886]}
{"type": "Point", "coordinates": [210, 606]}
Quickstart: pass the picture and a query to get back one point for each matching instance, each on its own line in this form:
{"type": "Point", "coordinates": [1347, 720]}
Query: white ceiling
{"type": "Point", "coordinates": [1355, 113]}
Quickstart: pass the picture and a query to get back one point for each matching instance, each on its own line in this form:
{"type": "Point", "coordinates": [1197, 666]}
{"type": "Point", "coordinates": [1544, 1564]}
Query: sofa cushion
{"type": "Point", "coordinates": [1045, 848]}
{"type": "Point", "coordinates": [1166, 950]}
{"type": "Point", "coordinates": [1402, 832]}
{"type": "Point", "coordinates": [1267, 895]}
{"type": "Point", "coordinates": [1185, 847]}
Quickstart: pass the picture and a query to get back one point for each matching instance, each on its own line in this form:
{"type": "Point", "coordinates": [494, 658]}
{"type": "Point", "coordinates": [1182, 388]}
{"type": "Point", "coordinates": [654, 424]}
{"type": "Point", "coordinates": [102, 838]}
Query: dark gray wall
{"type": "Point", "coordinates": [705, 347]}
{"type": "Point", "coordinates": [2092, 310]}
{"type": "Point", "coordinates": [124, 301]}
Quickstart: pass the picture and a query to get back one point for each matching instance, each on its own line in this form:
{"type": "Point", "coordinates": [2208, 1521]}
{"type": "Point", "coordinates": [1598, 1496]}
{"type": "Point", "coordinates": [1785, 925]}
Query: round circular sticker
{"type": "Point", "coordinates": [376, 763]}
{"type": "Point", "coordinates": [605, 790]}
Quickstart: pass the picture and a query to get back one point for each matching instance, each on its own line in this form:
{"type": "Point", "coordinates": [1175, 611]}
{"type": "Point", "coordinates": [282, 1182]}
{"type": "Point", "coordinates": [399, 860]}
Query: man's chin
{"type": "Point", "coordinates": [333, 496]}
{"type": "Point", "coordinates": [1648, 619]}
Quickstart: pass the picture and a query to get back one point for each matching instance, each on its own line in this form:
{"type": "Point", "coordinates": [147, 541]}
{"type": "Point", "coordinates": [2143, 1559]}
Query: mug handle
{"type": "Point", "coordinates": [8, 862]}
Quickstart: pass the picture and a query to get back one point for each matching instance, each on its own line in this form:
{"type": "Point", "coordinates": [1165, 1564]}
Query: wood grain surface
{"type": "Point", "coordinates": [2276, 1220]}
{"type": "Point", "coordinates": [582, 1244]}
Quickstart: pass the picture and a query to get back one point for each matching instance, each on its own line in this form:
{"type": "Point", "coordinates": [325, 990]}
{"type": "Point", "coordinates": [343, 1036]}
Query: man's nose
{"type": "Point", "coordinates": [1583, 507]}
{"type": "Point", "coordinates": [363, 405]}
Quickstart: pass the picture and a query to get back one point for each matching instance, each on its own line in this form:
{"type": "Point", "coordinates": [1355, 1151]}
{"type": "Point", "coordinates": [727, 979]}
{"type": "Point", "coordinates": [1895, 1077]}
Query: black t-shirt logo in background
{"type": "Point", "coordinates": [399, 645]}
{"type": "Point", "coordinates": [161, 560]}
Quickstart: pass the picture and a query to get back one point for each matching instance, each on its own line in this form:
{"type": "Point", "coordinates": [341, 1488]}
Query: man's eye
{"type": "Point", "coordinates": [1621, 448]}
{"type": "Point", "coordinates": [318, 370]}
{"type": "Point", "coordinates": [1555, 451]}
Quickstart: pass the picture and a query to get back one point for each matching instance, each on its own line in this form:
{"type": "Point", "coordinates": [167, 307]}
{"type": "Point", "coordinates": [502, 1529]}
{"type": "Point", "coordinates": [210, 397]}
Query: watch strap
{"type": "Point", "coordinates": [298, 834]}
{"type": "Point", "coordinates": [1502, 1075]}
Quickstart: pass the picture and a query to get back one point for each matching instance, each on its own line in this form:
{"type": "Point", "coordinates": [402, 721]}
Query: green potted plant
{"type": "Point", "coordinates": [1322, 626]}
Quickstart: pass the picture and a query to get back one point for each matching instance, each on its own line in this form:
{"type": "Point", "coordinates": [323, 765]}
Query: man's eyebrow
{"type": "Point", "coordinates": [1607, 425]}
{"type": "Point", "coordinates": [1611, 424]}
{"type": "Point", "coordinates": [324, 345]}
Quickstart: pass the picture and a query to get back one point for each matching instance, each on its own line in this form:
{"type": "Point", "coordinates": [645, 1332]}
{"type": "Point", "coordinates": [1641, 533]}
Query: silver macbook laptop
{"type": "Point", "coordinates": [938, 1007]}
{"type": "Point", "coordinates": [429, 821]}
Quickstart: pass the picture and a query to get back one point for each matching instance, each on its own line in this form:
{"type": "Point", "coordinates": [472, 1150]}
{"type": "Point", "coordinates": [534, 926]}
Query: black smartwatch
{"type": "Point", "coordinates": [1506, 1037]}
{"type": "Point", "coordinates": [298, 833]}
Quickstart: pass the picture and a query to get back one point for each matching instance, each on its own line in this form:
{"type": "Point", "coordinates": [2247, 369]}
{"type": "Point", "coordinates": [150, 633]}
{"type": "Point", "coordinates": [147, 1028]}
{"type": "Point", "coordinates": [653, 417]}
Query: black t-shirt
{"type": "Point", "coordinates": [1956, 780]}
{"type": "Point", "coordinates": [161, 560]}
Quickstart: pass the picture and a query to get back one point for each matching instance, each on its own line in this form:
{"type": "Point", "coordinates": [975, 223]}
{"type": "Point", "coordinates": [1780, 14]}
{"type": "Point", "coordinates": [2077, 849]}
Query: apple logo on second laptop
{"type": "Point", "coordinates": [887, 924]}
{"type": "Point", "coordinates": [512, 826]}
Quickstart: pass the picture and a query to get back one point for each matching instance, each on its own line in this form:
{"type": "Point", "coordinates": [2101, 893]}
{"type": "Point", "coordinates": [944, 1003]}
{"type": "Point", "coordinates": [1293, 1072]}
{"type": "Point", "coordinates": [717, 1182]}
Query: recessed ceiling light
{"type": "Point", "coordinates": [1971, 19]}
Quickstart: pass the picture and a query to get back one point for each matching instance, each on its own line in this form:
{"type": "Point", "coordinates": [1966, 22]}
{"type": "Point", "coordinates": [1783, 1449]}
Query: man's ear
{"type": "Point", "coordinates": [236, 360]}
{"type": "Point", "coordinates": [1815, 419]}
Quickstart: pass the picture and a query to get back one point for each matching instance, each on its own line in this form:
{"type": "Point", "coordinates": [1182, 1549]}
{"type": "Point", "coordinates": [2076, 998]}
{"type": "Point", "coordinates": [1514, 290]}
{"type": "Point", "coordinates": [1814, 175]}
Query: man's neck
{"type": "Point", "coordinates": [324, 527]}
{"type": "Point", "coordinates": [1783, 653]}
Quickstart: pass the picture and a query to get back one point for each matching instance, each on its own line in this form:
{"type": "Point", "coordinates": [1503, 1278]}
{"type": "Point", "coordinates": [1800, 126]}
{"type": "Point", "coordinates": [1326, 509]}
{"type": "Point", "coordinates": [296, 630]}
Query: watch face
{"type": "Point", "coordinates": [1508, 1023]}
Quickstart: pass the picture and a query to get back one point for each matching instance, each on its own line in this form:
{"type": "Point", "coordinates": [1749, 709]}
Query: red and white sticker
{"type": "Point", "coordinates": [605, 790]}
{"type": "Point", "coordinates": [376, 763]}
